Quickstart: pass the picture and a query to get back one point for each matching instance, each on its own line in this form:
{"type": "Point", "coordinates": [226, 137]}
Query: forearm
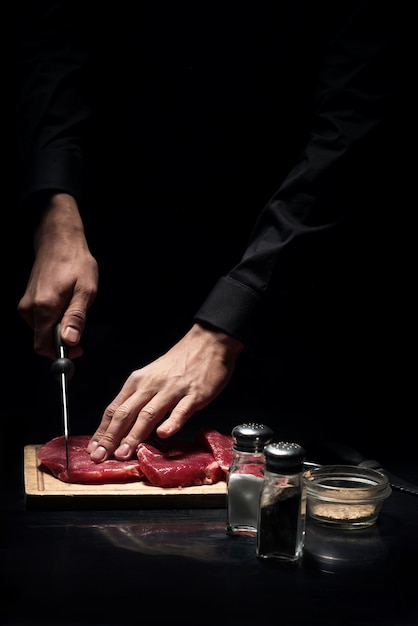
{"type": "Point", "coordinates": [64, 278]}
{"type": "Point", "coordinates": [60, 219]}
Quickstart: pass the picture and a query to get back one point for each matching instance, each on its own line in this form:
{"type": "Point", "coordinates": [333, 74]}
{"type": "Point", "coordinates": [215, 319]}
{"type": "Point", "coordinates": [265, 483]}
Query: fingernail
{"type": "Point", "coordinates": [71, 334]}
{"type": "Point", "coordinates": [92, 446]}
{"type": "Point", "coordinates": [123, 450]}
{"type": "Point", "coordinates": [99, 454]}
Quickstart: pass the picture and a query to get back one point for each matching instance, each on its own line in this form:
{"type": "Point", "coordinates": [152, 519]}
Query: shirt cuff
{"type": "Point", "coordinates": [55, 171]}
{"type": "Point", "coordinates": [233, 308]}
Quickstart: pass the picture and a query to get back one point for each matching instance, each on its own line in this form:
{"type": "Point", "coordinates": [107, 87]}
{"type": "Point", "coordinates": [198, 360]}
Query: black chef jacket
{"type": "Point", "coordinates": [255, 121]}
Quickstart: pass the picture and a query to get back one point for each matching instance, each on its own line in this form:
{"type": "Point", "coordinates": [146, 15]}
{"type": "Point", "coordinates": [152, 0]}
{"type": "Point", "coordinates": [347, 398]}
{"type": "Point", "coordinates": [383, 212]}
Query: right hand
{"type": "Point", "coordinates": [167, 392]}
{"type": "Point", "coordinates": [64, 279]}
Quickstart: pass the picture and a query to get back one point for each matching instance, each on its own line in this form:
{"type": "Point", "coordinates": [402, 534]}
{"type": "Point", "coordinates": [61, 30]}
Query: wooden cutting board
{"type": "Point", "coordinates": [42, 490]}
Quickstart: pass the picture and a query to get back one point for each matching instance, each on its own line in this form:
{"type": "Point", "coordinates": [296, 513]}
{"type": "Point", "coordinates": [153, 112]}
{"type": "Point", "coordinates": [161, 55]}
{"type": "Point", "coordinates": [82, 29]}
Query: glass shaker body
{"type": "Point", "coordinates": [245, 477]}
{"type": "Point", "coordinates": [282, 505]}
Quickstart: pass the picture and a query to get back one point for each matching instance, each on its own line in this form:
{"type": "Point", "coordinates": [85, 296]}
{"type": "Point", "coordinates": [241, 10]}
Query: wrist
{"type": "Point", "coordinates": [60, 216]}
{"type": "Point", "coordinates": [232, 345]}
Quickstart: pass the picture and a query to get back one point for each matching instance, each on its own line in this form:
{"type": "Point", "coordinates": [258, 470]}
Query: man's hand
{"type": "Point", "coordinates": [166, 392]}
{"type": "Point", "coordinates": [64, 278]}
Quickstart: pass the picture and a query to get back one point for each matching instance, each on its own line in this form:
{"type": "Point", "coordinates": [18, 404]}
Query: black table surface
{"type": "Point", "coordinates": [122, 567]}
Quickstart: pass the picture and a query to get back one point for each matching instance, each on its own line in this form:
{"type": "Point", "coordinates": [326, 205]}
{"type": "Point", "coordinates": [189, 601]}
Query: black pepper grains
{"type": "Point", "coordinates": [282, 507]}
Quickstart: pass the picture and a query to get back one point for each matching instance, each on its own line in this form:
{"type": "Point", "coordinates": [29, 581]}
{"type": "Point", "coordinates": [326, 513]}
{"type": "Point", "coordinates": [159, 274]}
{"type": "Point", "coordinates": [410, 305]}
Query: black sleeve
{"type": "Point", "coordinates": [357, 85]}
{"type": "Point", "coordinates": [52, 107]}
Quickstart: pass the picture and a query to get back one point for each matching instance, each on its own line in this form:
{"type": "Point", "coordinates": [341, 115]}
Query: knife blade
{"type": "Point", "coordinates": [63, 369]}
{"type": "Point", "coordinates": [342, 453]}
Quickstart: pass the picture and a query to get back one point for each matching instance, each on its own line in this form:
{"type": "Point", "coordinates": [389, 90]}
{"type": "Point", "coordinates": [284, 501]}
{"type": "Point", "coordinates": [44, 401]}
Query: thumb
{"type": "Point", "coordinates": [72, 327]}
{"type": "Point", "coordinates": [70, 334]}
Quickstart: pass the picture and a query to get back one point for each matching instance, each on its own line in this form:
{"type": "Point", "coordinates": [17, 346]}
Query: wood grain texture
{"type": "Point", "coordinates": [40, 485]}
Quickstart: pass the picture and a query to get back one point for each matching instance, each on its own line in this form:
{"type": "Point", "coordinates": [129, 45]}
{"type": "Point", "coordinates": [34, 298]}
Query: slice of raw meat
{"type": "Point", "coordinates": [220, 445]}
{"type": "Point", "coordinates": [170, 463]}
{"type": "Point", "coordinates": [81, 468]}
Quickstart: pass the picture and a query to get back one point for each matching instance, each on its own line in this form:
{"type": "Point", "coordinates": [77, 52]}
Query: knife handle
{"type": "Point", "coordinates": [62, 365]}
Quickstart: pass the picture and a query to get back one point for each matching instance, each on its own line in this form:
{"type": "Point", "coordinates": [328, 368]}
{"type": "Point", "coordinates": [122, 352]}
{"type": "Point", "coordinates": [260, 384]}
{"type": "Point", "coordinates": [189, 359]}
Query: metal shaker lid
{"type": "Point", "coordinates": [284, 456]}
{"type": "Point", "coordinates": [251, 437]}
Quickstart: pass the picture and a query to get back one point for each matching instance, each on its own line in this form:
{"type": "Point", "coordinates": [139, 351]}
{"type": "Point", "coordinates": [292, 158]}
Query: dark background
{"type": "Point", "coordinates": [346, 369]}
{"type": "Point", "coordinates": [342, 369]}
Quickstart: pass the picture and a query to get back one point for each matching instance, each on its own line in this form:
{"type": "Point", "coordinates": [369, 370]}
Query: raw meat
{"type": "Point", "coordinates": [171, 463]}
{"type": "Point", "coordinates": [81, 468]}
{"type": "Point", "coordinates": [163, 463]}
{"type": "Point", "coordinates": [220, 445]}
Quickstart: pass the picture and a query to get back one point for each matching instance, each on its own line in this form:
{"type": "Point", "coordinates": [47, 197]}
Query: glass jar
{"type": "Point", "coordinates": [245, 477]}
{"type": "Point", "coordinates": [282, 506]}
{"type": "Point", "coordinates": [345, 496]}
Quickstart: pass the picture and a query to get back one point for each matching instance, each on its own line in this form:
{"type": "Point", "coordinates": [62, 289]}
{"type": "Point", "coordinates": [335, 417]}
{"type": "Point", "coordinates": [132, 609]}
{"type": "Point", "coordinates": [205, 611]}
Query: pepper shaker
{"type": "Point", "coordinates": [245, 477]}
{"type": "Point", "coordinates": [282, 506]}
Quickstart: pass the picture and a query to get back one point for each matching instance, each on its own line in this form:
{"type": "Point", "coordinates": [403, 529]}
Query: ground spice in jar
{"type": "Point", "coordinates": [346, 512]}
{"type": "Point", "coordinates": [345, 496]}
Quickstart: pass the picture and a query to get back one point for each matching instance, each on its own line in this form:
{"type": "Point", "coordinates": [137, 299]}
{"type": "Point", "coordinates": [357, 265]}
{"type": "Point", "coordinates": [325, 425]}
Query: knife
{"type": "Point", "coordinates": [63, 369]}
{"type": "Point", "coordinates": [345, 454]}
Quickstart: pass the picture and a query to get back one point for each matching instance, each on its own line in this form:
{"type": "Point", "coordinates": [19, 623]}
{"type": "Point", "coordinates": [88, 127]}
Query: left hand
{"type": "Point", "coordinates": [166, 392]}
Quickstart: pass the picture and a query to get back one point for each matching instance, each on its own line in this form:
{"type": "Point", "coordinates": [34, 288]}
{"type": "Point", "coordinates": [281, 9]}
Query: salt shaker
{"type": "Point", "coordinates": [282, 506]}
{"type": "Point", "coordinates": [245, 477]}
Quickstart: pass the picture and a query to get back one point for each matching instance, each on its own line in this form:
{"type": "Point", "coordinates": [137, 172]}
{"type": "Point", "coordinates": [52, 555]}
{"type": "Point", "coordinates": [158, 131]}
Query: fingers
{"type": "Point", "coordinates": [62, 286]}
{"type": "Point", "coordinates": [70, 308]}
{"type": "Point", "coordinates": [136, 412]}
{"type": "Point", "coordinates": [72, 326]}
{"type": "Point", "coordinates": [44, 337]}
{"type": "Point", "coordinates": [124, 425]}
{"type": "Point", "coordinates": [71, 335]}
{"type": "Point", "coordinates": [42, 320]}
{"type": "Point", "coordinates": [149, 417]}
{"type": "Point", "coordinates": [164, 394]}
{"type": "Point", "coordinates": [73, 321]}
{"type": "Point", "coordinates": [178, 418]}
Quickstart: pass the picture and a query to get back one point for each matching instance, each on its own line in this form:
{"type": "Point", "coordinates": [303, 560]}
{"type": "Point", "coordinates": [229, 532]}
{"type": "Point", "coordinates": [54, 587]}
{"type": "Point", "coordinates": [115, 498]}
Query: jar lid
{"type": "Point", "coordinates": [251, 437]}
{"type": "Point", "coordinates": [283, 455]}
